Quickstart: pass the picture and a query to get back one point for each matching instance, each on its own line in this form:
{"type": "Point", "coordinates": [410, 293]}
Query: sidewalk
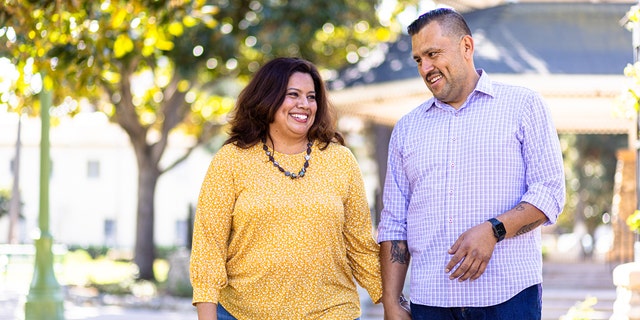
{"type": "Point", "coordinates": [565, 284]}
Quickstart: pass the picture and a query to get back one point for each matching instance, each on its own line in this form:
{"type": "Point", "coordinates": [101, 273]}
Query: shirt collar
{"type": "Point", "coordinates": [484, 86]}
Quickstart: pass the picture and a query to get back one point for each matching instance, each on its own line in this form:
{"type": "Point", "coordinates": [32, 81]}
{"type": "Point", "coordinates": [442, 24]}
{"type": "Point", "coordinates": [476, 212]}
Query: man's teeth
{"type": "Point", "coordinates": [436, 78]}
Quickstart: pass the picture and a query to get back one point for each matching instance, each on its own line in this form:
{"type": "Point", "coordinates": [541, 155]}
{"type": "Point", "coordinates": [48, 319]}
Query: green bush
{"type": "Point", "coordinates": [93, 250]}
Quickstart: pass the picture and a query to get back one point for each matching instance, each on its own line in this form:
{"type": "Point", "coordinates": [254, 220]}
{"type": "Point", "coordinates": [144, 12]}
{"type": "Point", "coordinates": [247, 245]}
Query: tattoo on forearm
{"type": "Point", "coordinates": [399, 252]}
{"type": "Point", "coordinates": [529, 227]}
{"type": "Point", "coordinates": [520, 207]}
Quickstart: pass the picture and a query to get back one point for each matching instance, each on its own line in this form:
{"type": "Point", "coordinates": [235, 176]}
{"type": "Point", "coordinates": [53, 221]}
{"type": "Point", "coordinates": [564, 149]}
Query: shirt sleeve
{"type": "Point", "coordinates": [211, 229]}
{"type": "Point", "coordinates": [543, 159]}
{"type": "Point", "coordinates": [362, 250]}
{"type": "Point", "coordinates": [393, 219]}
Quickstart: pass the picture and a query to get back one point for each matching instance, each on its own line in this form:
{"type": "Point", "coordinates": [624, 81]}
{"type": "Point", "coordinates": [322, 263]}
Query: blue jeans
{"type": "Point", "coordinates": [223, 314]}
{"type": "Point", "coordinates": [526, 305]}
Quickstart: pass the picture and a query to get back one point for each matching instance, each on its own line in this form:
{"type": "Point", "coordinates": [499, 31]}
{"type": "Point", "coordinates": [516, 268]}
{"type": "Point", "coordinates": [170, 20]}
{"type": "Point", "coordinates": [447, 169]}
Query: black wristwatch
{"type": "Point", "coordinates": [498, 229]}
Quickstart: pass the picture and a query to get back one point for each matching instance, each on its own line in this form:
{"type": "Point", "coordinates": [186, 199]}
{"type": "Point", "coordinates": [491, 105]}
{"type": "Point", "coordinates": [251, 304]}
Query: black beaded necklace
{"type": "Point", "coordinates": [277, 165]}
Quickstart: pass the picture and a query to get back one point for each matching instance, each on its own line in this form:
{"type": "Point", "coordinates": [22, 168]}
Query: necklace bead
{"type": "Point", "coordinates": [275, 163]}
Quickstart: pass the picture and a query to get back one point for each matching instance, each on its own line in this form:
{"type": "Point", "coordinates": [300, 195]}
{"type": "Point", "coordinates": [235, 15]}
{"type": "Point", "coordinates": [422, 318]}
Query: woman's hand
{"type": "Point", "coordinates": [397, 310]}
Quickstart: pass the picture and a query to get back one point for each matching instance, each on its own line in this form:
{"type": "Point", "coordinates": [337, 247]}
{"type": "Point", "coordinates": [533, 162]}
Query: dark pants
{"type": "Point", "coordinates": [526, 305]}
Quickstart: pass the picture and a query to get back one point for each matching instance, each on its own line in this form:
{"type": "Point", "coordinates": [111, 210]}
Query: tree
{"type": "Point", "coordinates": [160, 66]}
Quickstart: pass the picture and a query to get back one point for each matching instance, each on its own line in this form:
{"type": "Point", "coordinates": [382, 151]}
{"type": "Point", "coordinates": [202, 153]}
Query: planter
{"type": "Point", "coordinates": [626, 278]}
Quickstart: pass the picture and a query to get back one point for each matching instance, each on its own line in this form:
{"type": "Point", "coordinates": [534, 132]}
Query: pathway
{"type": "Point", "coordinates": [565, 285]}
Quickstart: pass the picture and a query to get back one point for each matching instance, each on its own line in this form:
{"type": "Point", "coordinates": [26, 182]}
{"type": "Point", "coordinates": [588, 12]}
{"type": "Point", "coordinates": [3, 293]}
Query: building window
{"type": "Point", "coordinates": [181, 233]}
{"type": "Point", "coordinates": [110, 233]}
{"type": "Point", "coordinates": [93, 169]}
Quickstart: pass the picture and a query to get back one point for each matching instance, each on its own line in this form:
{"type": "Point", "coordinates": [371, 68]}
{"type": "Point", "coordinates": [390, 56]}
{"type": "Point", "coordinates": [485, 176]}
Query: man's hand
{"type": "Point", "coordinates": [393, 311]}
{"type": "Point", "coordinates": [471, 253]}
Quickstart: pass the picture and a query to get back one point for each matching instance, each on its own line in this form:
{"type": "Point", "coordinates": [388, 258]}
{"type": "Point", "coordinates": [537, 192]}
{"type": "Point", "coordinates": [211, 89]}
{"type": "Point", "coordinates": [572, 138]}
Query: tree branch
{"type": "Point", "coordinates": [208, 131]}
{"type": "Point", "coordinates": [125, 114]}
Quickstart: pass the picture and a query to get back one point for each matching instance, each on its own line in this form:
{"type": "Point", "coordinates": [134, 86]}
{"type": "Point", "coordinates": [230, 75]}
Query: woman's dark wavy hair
{"type": "Point", "coordinates": [258, 102]}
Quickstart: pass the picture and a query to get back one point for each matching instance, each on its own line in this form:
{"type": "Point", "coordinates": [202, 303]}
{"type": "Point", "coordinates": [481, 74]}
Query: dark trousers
{"type": "Point", "coordinates": [526, 305]}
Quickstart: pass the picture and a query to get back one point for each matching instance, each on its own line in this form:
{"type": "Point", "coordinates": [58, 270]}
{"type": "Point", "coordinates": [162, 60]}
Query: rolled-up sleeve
{"type": "Point", "coordinates": [541, 148]}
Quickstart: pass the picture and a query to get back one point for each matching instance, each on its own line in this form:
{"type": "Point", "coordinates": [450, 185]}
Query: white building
{"type": "Point", "coordinates": [93, 186]}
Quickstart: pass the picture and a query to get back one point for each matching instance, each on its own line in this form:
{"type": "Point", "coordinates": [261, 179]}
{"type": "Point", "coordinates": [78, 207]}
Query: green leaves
{"type": "Point", "coordinates": [92, 49]}
{"type": "Point", "coordinates": [633, 221]}
{"type": "Point", "coordinates": [124, 45]}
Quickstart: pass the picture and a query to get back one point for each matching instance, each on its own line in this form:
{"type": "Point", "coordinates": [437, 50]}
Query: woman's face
{"type": "Point", "coordinates": [297, 112]}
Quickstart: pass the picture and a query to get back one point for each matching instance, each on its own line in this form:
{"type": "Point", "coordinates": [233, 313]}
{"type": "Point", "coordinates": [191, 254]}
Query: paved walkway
{"type": "Point", "coordinates": [565, 285]}
{"type": "Point", "coordinates": [570, 283]}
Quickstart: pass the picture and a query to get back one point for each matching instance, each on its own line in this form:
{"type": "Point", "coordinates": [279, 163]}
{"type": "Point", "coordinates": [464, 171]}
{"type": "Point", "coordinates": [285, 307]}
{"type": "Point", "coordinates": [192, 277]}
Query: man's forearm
{"type": "Point", "coordinates": [523, 218]}
{"type": "Point", "coordinates": [394, 262]}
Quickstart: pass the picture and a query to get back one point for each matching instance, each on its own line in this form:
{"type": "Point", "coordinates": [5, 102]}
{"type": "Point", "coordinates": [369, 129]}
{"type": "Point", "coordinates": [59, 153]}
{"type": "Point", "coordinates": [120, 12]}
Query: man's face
{"type": "Point", "coordinates": [442, 64]}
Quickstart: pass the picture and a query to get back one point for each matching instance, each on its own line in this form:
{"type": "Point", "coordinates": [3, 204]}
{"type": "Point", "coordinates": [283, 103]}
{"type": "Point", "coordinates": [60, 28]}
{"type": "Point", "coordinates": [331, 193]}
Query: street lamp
{"type": "Point", "coordinates": [45, 299]}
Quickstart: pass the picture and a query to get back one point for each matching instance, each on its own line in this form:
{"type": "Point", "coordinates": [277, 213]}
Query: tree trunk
{"type": "Point", "coordinates": [148, 155]}
{"type": "Point", "coordinates": [145, 252]}
{"type": "Point", "coordinates": [14, 204]}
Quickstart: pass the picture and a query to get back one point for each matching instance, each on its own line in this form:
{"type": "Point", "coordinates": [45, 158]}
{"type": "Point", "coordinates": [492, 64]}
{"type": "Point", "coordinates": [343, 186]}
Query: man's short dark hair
{"type": "Point", "coordinates": [450, 20]}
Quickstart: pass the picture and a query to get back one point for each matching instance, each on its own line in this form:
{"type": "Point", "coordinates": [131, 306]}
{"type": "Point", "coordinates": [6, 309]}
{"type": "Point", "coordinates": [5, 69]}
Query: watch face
{"type": "Point", "coordinates": [498, 229]}
{"type": "Point", "coordinates": [501, 230]}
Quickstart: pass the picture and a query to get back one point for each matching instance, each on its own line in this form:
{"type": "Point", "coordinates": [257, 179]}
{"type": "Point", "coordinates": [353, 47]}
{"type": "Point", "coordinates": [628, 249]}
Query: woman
{"type": "Point", "coordinates": [282, 226]}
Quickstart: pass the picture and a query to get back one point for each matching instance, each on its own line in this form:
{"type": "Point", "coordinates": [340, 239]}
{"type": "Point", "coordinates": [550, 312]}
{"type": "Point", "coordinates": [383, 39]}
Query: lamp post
{"type": "Point", "coordinates": [45, 299]}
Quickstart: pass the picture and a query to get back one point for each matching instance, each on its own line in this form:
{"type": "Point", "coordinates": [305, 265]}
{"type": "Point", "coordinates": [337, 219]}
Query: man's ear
{"type": "Point", "coordinates": [467, 46]}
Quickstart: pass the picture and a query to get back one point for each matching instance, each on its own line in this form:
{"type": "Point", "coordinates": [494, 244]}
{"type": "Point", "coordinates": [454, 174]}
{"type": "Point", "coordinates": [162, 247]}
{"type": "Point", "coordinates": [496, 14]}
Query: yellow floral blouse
{"type": "Point", "coordinates": [266, 246]}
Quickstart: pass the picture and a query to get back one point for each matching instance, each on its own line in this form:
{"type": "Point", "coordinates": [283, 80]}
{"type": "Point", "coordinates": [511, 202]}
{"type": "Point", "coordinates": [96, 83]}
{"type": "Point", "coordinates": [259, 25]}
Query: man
{"type": "Point", "coordinates": [472, 174]}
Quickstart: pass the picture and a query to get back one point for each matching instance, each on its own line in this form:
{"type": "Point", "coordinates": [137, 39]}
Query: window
{"type": "Point", "coordinates": [110, 233]}
{"type": "Point", "coordinates": [93, 169]}
{"type": "Point", "coordinates": [181, 233]}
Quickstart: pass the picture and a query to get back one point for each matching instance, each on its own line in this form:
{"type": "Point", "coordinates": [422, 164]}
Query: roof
{"type": "Point", "coordinates": [578, 103]}
{"type": "Point", "coordinates": [472, 5]}
{"type": "Point", "coordinates": [572, 53]}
